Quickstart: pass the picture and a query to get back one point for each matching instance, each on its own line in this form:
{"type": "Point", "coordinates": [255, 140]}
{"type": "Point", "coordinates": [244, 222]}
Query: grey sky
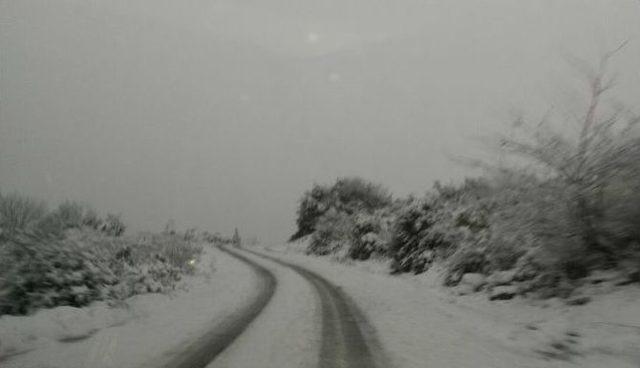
{"type": "Point", "coordinates": [221, 113]}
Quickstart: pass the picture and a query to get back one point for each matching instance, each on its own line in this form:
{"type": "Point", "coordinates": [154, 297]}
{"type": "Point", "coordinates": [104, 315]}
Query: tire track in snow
{"type": "Point", "coordinates": [348, 341]}
{"type": "Point", "coordinates": [203, 351]}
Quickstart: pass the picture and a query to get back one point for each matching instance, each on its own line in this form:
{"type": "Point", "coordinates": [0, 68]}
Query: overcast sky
{"type": "Point", "coordinates": [221, 113]}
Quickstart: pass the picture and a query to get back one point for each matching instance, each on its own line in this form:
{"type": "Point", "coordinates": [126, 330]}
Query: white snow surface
{"type": "Point", "coordinates": [287, 334]}
{"type": "Point", "coordinates": [143, 333]}
{"type": "Point", "coordinates": [422, 324]}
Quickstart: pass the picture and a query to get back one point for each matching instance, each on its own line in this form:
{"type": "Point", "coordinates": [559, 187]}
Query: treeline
{"type": "Point", "coordinates": [570, 210]}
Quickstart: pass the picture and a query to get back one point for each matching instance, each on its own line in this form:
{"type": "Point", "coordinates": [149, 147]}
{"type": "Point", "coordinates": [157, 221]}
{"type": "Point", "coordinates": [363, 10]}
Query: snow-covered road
{"type": "Point", "coordinates": [347, 338]}
{"type": "Point", "coordinates": [309, 323]}
{"type": "Point", "coordinates": [200, 352]}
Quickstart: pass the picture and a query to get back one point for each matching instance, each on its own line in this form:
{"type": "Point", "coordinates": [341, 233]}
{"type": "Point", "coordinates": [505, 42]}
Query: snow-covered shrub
{"type": "Point", "coordinates": [534, 218]}
{"type": "Point", "coordinates": [70, 214]}
{"type": "Point", "coordinates": [531, 232]}
{"type": "Point", "coordinates": [153, 266]}
{"type": "Point", "coordinates": [155, 275]}
{"type": "Point", "coordinates": [313, 204]}
{"type": "Point", "coordinates": [596, 166]}
{"type": "Point", "coordinates": [619, 222]}
{"type": "Point", "coordinates": [113, 225]}
{"type": "Point", "coordinates": [409, 250]}
{"type": "Point", "coordinates": [348, 195]}
{"type": "Point", "coordinates": [371, 234]}
{"type": "Point", "coordinates": [435, 227]}
{"type": "Point", "coordinates": [51, 226]}
{"type": "Point", "coordinates": [333, 233]}
{"type": "Point", "coordinates": [546, 231]}
{"type": "Point", "coordinates": [215, 238]}
{"type": "Point", "coordinates": [91, 219]}
{"type": "Point", "coordinates": [191, 234]}
{"type": "Point", "coordinates": [42, 273]}
{"type": "Point", "coordinates": [465, 260]}
{"type": "Point", "coordinates": [19, 212]}
{"type": "Point", "coordinates": [355, 194]}
{"type": "Point", "coordinates": [71, 257]}
{"type": "Point", "coordinates": [480, 226]}
{"type": "Point", "coordinates": [175, 251]}
{"type": "Point", "coordinates": [509, 218]}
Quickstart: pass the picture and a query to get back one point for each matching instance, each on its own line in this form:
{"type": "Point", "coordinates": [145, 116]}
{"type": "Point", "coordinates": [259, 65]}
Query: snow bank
{"type": "Point", "coordinates": [144, 332]}
{"type": "Point", "coordinates": [423, 325]}
{"type": "Point", "coordinates": [19, 334]}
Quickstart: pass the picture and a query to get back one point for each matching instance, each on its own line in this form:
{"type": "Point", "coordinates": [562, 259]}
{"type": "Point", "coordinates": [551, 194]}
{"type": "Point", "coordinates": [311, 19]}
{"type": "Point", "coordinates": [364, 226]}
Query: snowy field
{"type": "Point", "coordinates": [423, 325]}
{"type": "Point", "coordinates": [144, 332]}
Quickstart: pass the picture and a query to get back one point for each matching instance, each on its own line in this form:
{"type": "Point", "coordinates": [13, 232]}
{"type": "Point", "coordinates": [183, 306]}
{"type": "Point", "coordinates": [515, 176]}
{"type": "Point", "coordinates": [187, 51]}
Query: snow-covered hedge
{"type": "Point", "coordinates": [510, 224]}
{"type": "Point", "coordinates": [39, 272]}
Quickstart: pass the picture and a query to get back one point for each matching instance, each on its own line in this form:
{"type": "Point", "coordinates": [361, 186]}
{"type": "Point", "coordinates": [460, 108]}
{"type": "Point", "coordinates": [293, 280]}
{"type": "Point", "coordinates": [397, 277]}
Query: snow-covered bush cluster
{"type": "Point", "coordinates": [351, 217]}
{"type": "Point", "coordinates": [446, 221]}
{"type": "Point", "coordinates": [71, 257]}
{"type": "Point", "coordinates": [41, 273]}
{"type": "Point", "coordinates": [347, 196]}
{"type": "Point", "coordinates": [510, 228]}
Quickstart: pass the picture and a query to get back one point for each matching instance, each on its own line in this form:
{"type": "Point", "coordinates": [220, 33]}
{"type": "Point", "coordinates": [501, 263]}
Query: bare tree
{"type": "Point", "coordinates": [603, 150]}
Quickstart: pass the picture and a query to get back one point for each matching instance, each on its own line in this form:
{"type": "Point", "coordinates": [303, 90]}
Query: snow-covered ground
{"type": "Point", "coordinates": [418, 323]}
{"type": "Point", "coordinates": [424, 325]}
{"type": "Point", "coordinates": [286, 334]}
{"type": "Point", "coordinates": [143, 333]}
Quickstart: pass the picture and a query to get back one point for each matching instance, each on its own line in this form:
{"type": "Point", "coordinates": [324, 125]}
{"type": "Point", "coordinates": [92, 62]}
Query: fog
{"type": "Point", "coordinates": [219, 114]}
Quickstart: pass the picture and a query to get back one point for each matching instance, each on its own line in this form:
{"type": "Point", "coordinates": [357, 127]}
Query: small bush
{"type": "Point", "coordinates": [175, 251]}
{"type": "Point", "coordinates": [40, 272]}
{"type": "Point", "coordinates": [20, 213]}
{"type": "Point", "coordinates": [408, 249]}
{"type": "Point", "coordinates": [348, 195]}
{"type": "Point", "coordinates": [113, 225]}
{"type": "Point", "coordinates": [356, 194]}
{"type": "Point", "coordinates": [71, 214]}
{"type": "Point", "coordinates": [191, 234]}
{"type": "Point", "coordinates": [91, 219]}
{"type": "Point", "coordinates": [464, 261]}
{"type": "Point", "coordinates": [51, 226]}
{"type": "Point", "coordinates": [371, 235]}
{"type": "Point", "coordinates": [313, 205]}
{"type": "Point", "coordinates": [433, 228]}
{"type": "Point", "coordinates": [333, 233]}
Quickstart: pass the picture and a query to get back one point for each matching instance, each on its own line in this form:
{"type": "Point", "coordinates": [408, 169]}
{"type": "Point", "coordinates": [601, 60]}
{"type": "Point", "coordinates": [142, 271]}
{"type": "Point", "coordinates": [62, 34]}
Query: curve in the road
{"type": "Point", "coordinates": [205, 349]}
{"type": "Point", "coordinates": [344, 342]}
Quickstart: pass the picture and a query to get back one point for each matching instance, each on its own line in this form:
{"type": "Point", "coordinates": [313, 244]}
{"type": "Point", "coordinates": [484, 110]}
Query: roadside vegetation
{"type": "Point", "coordinates": [71, 256]}
{"type": "Point", "coordinates": [566, 215]}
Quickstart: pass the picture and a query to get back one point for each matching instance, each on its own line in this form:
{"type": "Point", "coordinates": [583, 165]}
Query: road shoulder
{"type": "Point", "coordinates": [156, 325]}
